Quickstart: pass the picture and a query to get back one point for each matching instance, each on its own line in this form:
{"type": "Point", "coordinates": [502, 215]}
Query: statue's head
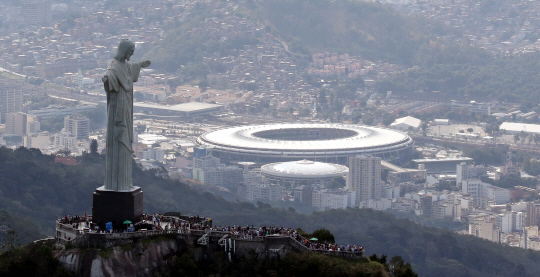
{"type": "Point", "coordinates": [125, 50]}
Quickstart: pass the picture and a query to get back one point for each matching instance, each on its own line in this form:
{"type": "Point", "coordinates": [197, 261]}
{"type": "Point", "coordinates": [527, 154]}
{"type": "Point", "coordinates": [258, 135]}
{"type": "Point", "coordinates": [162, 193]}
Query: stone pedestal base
{"type": "Point", "coordinates": [117, 206]}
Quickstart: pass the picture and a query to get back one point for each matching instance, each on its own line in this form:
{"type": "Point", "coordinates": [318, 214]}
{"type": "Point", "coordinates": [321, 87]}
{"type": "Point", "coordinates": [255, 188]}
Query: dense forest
{"type": "Point", "coordinates": [34, 188]}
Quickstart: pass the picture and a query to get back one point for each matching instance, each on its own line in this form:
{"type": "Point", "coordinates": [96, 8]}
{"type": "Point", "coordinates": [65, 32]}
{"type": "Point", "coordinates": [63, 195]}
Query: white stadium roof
{"type": "Point", "coordinates": [243, 137]}
{"type": "Point", "coordinates": [184, 107]}
{"type": "Point", "coordinates": [304, 169]}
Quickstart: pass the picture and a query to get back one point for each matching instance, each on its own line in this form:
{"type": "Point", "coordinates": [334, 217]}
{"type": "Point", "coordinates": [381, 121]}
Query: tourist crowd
{"type": "Point", "coordinates": [161, 222]}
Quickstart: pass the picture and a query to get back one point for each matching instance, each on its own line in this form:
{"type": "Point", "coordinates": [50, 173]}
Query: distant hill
{"type": "Point", "coordinates": [32, 186]}
{"type": "Point", "coordinates": [359, 28]}
{"type": "Point", "coordinates": [377, 32]}
{"type": "Point", "coordinates": [372, 30]}
{"type": "Point", "coordinates": [439, 63]}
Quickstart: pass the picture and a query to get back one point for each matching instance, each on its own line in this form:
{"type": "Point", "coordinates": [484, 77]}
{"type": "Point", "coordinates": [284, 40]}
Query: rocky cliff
{"type": "Point", "coordinates": [139, 259]}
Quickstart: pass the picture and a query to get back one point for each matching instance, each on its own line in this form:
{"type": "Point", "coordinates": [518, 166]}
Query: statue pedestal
{"type": "Point", "coordinates": [117, 206]}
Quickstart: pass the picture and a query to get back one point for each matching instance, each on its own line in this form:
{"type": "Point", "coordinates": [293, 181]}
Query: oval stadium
{"type": "Point", "coordinates": [316, 142]}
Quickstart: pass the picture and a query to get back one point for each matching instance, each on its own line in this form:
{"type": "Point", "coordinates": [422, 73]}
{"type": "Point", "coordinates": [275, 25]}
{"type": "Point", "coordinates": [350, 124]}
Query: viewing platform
{"type": "Point", "coordinates": [199, 232]}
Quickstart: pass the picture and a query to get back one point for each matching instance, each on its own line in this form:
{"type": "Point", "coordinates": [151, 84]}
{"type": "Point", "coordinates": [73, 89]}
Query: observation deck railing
{"type": "Point", "coordinates": [296, 242]}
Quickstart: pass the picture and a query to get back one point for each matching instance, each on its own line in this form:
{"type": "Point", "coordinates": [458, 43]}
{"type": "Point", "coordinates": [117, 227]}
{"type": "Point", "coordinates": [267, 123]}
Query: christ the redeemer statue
{"type": "Point", "coordinates": [118, 82]}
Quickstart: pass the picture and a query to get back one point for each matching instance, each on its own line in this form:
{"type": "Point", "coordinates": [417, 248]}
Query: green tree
{"type": "Point", "coordinates": [356, 118]}
{"type": "Point", "coordinates": [368, 120]}
{"type": "Point", "coordinates": [305, 112]}
{"type": "Point", "coordinates": [97, 116]}
{"type": "Point", "coordinates": [516, 138]}
{"type": "Point", "coordinates": [424, 126]}
{"type": "Point", "coordinates": [336, 183]}
{"type": "Point", "coordinates": [141, 128]}
{"type": "Point", "coordinates": [203, 85]}
{"type": "Point", "coordinates": [35, 81]}
{"type": "Point", "coordinates": [10, 243]}
{"type": "Point", "coordinates": [186, 266]}
{"type": "Point", "coordinates": [323, 235]}
{"type": "Point", "coordinates": [94, 147]}
{"type": "Point", "coordinates": [401, 269]}
{"type": "Point", "coordinates": [322, 97]}
{"type": "Point", "coordinates": [388, 119]}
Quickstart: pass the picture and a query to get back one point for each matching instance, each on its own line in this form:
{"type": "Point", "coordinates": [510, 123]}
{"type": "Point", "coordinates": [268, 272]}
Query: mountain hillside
{"type": "Point", "coordinates": [372, 30]}
{"type": "Point", "coordinates": [359, 28]}
{"type": "Point", "coordinates": [34, 187]}
{"type": "Point", "coordinates": [439, 59]}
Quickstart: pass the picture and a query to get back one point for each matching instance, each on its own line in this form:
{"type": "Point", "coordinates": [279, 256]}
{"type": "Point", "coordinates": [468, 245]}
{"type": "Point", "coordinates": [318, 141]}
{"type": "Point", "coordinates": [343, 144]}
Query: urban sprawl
{"type": "Point", "coordinates": [52, 99]}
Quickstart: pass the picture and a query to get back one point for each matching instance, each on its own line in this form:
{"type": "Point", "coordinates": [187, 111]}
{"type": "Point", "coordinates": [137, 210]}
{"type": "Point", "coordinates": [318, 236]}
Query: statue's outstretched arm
{"type": "Point", "coordinates": [145, 63]}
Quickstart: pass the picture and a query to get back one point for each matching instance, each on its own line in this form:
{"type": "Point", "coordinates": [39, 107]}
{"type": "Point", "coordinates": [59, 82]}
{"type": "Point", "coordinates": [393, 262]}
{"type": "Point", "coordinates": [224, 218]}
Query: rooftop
{"type": "Point", "coordinates": [457, 159]}
{"type": "Point", "coordinates": [519, 127]}
{"type": "Point", "coordinates": [408, 120]}
{"type": "Point", "coordinates": [184, 107]}
{"type": "Point", "coordinates": [283, 137]}
{"type": "Point", "coordinates": [304, 168]}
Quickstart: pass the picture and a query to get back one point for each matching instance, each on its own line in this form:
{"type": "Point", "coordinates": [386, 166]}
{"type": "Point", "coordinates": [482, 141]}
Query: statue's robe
{"type": "Point", "coordinates": [119, 151]}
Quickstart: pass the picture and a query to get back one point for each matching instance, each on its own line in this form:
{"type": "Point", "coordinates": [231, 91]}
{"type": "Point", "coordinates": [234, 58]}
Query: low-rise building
{"type": "Point", "coordinates": [64, 140]}
{"type": "Point", "coordinates": [333, 199]}
{"type": "Point", "coordinates": [484, 228]}
{"type": "Point", "coordinates": [484, 192]}
{"type": "Point", "coordinates": [517, 128]}
{"type": "Point", "coordinates": [270, 192]}
{"type": "Point", "coordinates": [380, 204]}
{"type": "Point", "coordinates": [32, 125]}
{"type": "Point", "coordinates": [37, 140]}
{"type": "Point", "coordinates": [56, 110]}
{"type": "Point", "coordinates": [224, 176]}
{"type": "Point", "coordinates": [471, 107]}
{"type": "Point", "coordinates": [406, 123]}
{"type": "Point", "coordinates": [155, 154]}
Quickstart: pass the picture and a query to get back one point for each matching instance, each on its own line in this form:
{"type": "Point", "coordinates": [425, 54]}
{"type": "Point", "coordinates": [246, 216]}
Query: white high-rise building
{"type": "Point", "coordinates": [365, 177]}
{"type": "Point", "coordinates": [10, 97]}
{"type": "Point", "coordinates": [504, 222]}
{"type": "Point", "coordinates": [32, 125]}
{"type": "Point", "coordinates": [518, 221]}
{"type": "Point", "coordinates": [511, 222]}
{"type": "Point", "coordinates": [16, 124]}
{"type": "Point", "coordinates": [37, 12]}
{"type": "Point", "coordinates": [78, 125]}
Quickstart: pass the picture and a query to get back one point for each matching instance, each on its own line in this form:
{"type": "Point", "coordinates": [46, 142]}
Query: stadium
{"type": "Point", "coordinates": [315, 142]}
